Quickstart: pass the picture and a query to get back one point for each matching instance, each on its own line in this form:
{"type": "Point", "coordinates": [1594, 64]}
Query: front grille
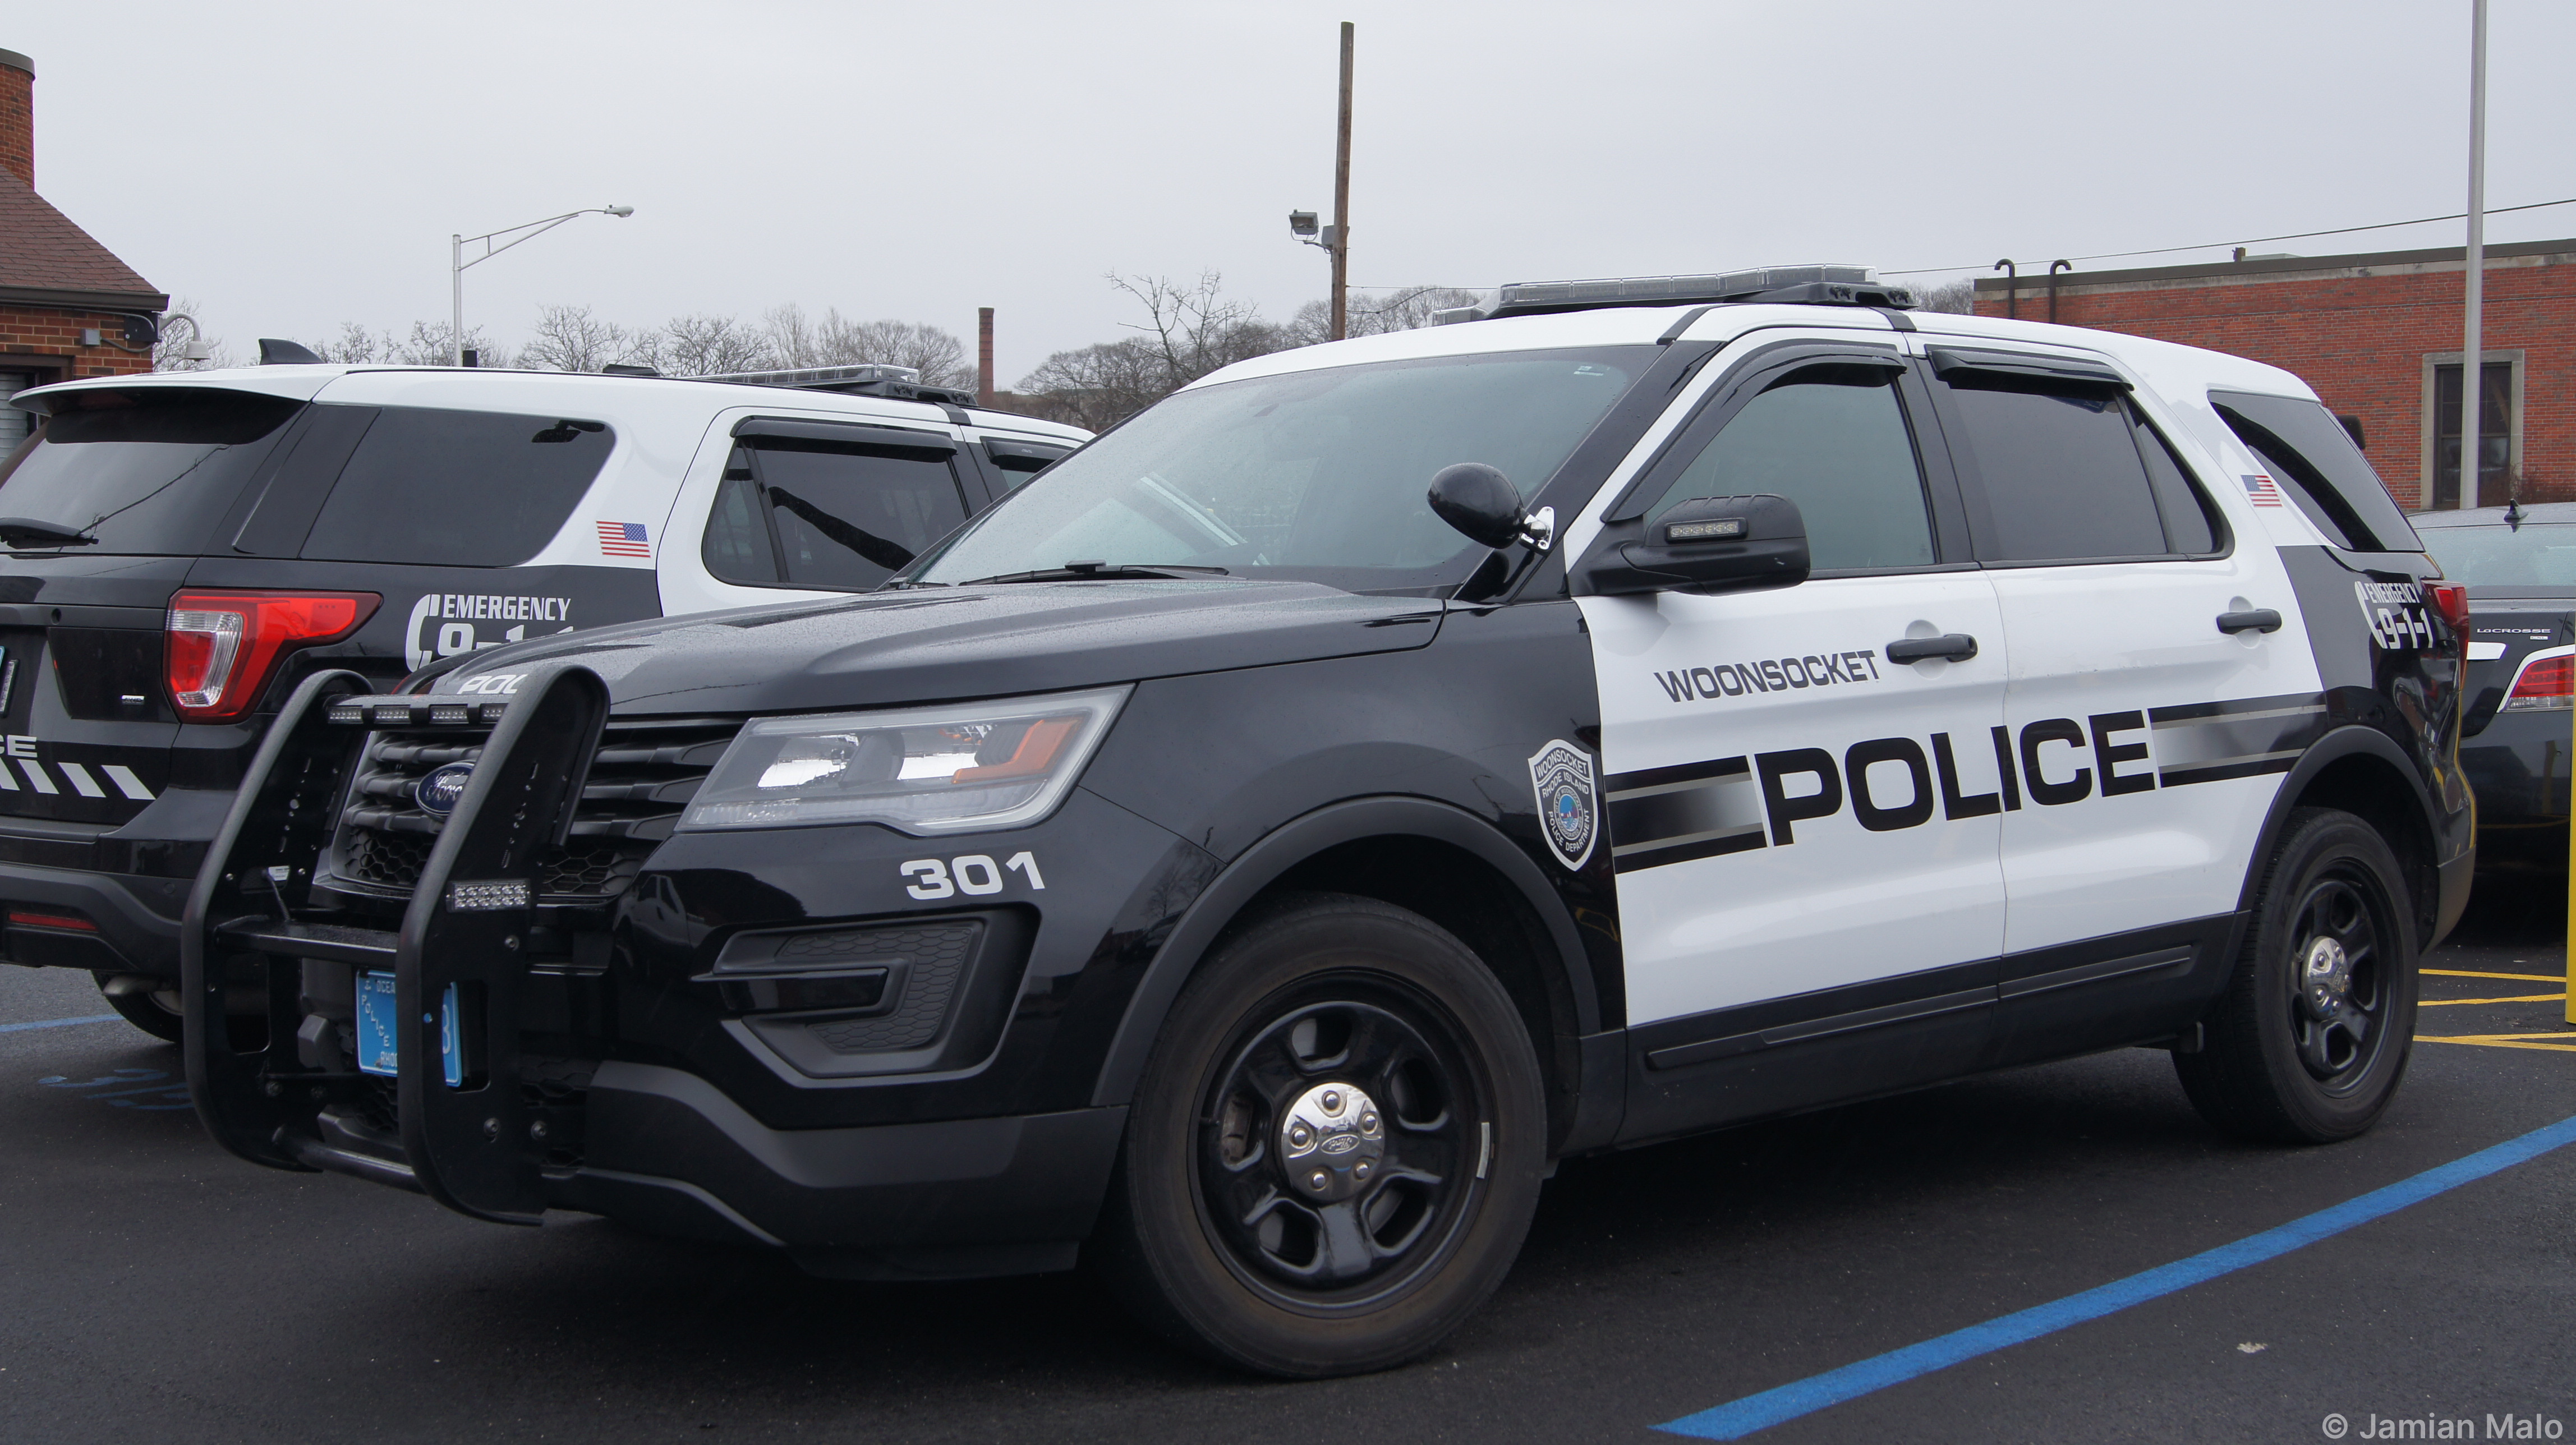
{"type": "Point", "coordinates": [641, 778]}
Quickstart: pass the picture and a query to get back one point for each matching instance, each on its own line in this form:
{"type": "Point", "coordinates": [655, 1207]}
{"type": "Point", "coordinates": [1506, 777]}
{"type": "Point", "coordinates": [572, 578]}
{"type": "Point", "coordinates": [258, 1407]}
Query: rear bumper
{"type": "Point", "coordinates": [2518, 767]}
{"type": "Point", "coordinates": [667, 1151]}
{"type": "Point", "coordinates": [138, 919]}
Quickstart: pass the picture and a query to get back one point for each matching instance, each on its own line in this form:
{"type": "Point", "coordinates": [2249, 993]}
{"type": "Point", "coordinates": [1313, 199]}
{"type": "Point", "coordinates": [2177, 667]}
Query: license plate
{"type": "Point", "coordinates": [380, 1031]}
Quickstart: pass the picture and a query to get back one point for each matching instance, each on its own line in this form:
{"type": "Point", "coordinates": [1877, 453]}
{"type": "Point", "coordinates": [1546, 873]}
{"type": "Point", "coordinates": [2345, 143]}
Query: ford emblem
{"type": "Point", "coordinates": [1340, 1144]}
{"type": "Point", "coordinates": [440, 792]}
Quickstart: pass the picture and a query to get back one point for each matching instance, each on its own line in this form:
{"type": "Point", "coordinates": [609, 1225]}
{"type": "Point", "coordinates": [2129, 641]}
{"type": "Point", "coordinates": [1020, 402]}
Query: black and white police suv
{"type": "Point", "coordinates": [1229, 862]}
{"type": "Point", "coordinates": [184, 549]}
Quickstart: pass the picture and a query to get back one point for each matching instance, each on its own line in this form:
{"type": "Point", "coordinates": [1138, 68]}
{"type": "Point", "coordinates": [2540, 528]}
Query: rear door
{"type": "Point", "coordinates": [1805, 832]}
{"type": "Point", "coordinates": [2149, 741]}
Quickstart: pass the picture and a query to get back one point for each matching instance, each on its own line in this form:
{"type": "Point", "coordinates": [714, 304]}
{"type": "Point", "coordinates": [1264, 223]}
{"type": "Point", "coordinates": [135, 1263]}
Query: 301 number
{"type": "Point", "coordinates": [974, 874]}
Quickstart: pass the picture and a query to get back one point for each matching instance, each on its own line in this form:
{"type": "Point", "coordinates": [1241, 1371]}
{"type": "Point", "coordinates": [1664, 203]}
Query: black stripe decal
{"type": "Point", "coordinates": [2222, 772]}
{"type": "Point", "coordinates": [1621, 785]}
{"type": "Point", "coordinates": [1657, 855]}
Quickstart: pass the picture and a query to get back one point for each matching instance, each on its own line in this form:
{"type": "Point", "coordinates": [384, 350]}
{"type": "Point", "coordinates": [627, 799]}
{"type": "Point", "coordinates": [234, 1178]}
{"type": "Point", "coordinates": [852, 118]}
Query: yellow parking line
{"type": "Point", "coordinates": [2503, 1041]}
{"type": "Point", "coordinates": [2526, 998]}
{"type": "Point", "coordinates": [2467, 973]}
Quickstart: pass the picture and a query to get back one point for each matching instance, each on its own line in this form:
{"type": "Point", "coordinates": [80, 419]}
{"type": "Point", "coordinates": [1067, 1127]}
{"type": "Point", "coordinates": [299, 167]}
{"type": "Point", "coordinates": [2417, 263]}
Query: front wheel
{"type": "Point", "coordinates": [1335, 1148]}
{"type": "Point", "coordinates": [2317, 1024]}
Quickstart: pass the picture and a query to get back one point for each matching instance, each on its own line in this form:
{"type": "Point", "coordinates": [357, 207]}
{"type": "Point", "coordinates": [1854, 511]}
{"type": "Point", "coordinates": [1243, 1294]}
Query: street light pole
{"type": "Point", "coordinates": [2473, 323]}
{"type": "Point", "coordinates": [456, 263]}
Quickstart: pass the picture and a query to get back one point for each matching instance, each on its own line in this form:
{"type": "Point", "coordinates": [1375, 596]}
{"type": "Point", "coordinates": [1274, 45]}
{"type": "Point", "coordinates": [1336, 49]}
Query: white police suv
{"type": "Point", "coordinates": [1247, 855]}
{"type": "Point", "coordinates": [184, 548]}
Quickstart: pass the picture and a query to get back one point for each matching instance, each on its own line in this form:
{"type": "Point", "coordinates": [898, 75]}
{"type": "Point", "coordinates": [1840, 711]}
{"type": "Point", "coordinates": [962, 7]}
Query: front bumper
{"type": "Point", "coordinates": [636, 1074]}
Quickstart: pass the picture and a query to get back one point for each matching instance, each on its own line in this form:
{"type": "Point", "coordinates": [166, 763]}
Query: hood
{"type": "Point", "coordinates": [888, 649]}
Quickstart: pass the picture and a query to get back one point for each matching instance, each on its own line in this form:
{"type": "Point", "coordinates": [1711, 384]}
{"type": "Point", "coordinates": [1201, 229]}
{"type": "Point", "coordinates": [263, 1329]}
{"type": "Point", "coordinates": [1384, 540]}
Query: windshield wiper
{"type": "Point", "coordinates": [1105, 572]}
{"type": "Point", "coordinates": [28, 532]}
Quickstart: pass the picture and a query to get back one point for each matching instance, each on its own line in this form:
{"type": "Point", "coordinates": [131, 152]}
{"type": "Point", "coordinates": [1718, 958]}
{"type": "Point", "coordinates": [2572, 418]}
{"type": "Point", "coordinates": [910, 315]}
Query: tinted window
{"type": "Point", "coordinates": [2320, 468]}
{"type": "Point", "coordinates": [1833, 440]}
{"type": "Point", "coordinates": [736, 547]}
{"type": "Point", "coordinates": [2061, 474]}
{"type": "Point", "coordinates": [1318, 475]}
{"type": "Point", "coordinates": [847, 520]}
{"type": "Point", "coordinates": [148, 471]}
{"type": "Point", "coordinates": [1019, 461]}
{"type": "Point", "coordinates": [2189, 524]}
{"type": "Point", "coordinates": [458, 488]}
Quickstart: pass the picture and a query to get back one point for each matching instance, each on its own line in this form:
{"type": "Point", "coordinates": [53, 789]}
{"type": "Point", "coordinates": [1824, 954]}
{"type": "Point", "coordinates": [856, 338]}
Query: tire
{"type": "Point", "coordinates": [146, 1012]}
{"type": "Point", "coordinates": [2279, 1063]}
{"type": "Point", "coordinates": [1240, 1226]}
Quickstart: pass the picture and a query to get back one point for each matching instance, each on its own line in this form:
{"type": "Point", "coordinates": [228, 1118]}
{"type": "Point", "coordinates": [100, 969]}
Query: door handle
{"type": "Point", "coordinates": [1952, 646]}
{"type": "Point", "coordinates": [2259, 619]}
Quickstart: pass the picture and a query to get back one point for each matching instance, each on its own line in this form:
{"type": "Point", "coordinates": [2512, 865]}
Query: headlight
{"type": "Point", "coordinates": [926, 770]}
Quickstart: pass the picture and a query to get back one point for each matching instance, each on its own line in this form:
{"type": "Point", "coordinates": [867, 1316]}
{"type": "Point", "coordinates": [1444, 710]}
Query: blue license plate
{"type": "Point", "coordinates": [380, 1031]}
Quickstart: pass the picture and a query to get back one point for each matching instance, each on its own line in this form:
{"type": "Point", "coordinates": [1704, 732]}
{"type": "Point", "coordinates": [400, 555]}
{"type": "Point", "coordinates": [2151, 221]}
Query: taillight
{"type": "Point", "coordinates": [2545, 682]}
{"type": "Point", "coordinates": [222, 646]}
{"type": "Point", "coordinates": [2451, 599]}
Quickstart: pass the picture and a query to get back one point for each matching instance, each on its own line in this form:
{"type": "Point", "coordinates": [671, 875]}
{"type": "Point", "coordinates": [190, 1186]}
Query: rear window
{"type": "Point", "coordinates": [457, 488]}
{"type": "Point", "coordinates": [2538, 554]}
{"type": "Point", "coordinates": [149, 471]}
{"type": "Point", "coordinates": [2310, 454]}
{"type": "Point", "coordinates": [2070, 472]}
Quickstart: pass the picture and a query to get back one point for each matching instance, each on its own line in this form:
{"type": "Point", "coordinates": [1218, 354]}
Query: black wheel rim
{"type": "Point", "coordinates": [1384, 1049]}
{"type": "Point", "coordinates": [2340, 991]}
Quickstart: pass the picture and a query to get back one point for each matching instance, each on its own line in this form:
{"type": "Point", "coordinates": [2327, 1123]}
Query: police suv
{"type": "Point", "coordinates": [1251, 853]}
{"type": "Point", "coordinates": [184, 548]}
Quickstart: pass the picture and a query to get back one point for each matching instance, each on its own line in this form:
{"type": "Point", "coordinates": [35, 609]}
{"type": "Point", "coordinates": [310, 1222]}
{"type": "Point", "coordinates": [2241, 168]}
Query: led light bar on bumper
{"type": "Point", "coordinates": [949, 769]}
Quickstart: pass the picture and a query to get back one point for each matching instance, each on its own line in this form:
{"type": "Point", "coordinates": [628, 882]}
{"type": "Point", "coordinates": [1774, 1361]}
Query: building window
{"type": "Point", "coordinates": [15, 425]}
{"type": "Point", "coordinates": [2497, 426]}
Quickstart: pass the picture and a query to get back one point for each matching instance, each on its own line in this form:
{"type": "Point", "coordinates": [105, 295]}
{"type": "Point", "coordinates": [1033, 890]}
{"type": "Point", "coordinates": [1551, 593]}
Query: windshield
{"type": "Point", "coordinates": [2539, 555]}
{"type": "Point", "coordinates": [1315, 476]}
{"type": "Point", "coordinates": [148, 471]}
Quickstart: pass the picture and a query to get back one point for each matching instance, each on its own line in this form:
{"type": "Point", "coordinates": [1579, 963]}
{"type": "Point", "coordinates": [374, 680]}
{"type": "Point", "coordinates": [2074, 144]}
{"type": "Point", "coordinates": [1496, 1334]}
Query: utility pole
{"type": "Point", "coordinates": [1342, 196]}
{"type": "Point", "coordinates": [2473, 344]}
{"type": "Point", "coordinates": [984, 356]}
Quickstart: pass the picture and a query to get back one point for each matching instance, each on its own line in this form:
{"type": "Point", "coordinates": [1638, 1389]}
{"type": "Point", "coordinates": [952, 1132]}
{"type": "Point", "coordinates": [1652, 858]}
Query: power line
{"type": "Point", "coordinates": [2259, 240]}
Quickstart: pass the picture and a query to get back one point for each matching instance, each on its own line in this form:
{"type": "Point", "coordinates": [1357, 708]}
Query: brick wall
{"type": "Point", "coordinates": [2359, 334]}
{"type": "Point", "coordinates": [44, 332]}
{"type": "Point", "coordinates": [18, 122]}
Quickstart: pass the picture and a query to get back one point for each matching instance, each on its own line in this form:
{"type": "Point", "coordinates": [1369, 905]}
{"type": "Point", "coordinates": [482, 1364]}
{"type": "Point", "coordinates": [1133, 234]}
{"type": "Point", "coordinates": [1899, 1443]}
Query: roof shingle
{"type": "Point", "coordinates": [42, 251]}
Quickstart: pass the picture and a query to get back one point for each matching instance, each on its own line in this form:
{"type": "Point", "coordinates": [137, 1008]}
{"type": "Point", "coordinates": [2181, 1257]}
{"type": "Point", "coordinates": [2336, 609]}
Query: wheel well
{"type": "Point", "coordinates": [2373, 790]}
{"type": "Point", "coordinates": [1463, 894]}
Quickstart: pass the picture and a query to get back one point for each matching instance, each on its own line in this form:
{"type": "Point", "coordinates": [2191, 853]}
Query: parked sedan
{"type": "Point", "coordinates": [2520, 567]}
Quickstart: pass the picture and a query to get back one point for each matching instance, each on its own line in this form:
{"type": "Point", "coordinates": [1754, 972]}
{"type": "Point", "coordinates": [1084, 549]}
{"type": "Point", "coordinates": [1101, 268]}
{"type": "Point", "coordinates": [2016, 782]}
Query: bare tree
{"type": "Point", "coordinates": [571, 338]}
{"type": "Point", "coordinates": [1376, 313]}
{"type": "Point", "coordinates": [1955, 296]}
{"type": "Point", "coordinates": [707, 345]}
{"type": "Point", "coordinates": [938, 355]}
{"type": "Point", "coordinates": [1190, 330]}
{"type": "Point", "coordinates": [427, 345]}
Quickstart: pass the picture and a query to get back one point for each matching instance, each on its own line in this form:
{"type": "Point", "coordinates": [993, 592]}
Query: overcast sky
{"type": "Point", "coordinates": [290, 166]}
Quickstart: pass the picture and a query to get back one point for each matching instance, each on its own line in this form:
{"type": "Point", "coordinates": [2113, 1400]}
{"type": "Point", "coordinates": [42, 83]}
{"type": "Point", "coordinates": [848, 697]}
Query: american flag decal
{"type": "Point", "coordinates": [623, 539]}
{"type": "Point", "coordinates": [2262, 490]}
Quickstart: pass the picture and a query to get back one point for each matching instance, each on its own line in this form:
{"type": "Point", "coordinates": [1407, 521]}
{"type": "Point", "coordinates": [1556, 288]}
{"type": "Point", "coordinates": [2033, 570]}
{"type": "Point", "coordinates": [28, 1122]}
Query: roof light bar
{"type": "Point", "coordinates": [1810, 285]}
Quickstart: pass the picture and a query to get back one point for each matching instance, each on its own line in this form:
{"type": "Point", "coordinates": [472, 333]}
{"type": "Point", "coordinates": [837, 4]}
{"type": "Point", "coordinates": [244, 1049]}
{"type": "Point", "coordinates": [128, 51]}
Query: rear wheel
{"type": "Point", "coordinates": [2318, 1022]}
{"type": "Point", "coordinates": [1335, 1150]}
{"type": "Point", "coordinates": [156, 1013]}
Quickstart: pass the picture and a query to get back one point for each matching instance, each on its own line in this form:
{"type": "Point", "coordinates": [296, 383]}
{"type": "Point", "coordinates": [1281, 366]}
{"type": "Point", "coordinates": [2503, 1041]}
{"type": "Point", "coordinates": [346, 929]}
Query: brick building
{"type": "Point", "coordinates": [2378, 336]}
{"type": "Point", "coordinates": [68, 307]}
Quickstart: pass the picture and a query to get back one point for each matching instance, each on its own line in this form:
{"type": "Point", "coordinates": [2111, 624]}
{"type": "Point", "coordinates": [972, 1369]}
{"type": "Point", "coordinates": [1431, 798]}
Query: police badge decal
{"type": "Point", "coordinates": [1561, 774]}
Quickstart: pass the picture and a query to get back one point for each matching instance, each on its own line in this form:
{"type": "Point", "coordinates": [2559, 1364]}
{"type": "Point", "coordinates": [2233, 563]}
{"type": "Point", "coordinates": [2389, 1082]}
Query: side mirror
{"type": "Point", "coordinates": [1711, 544]}
{"type": "Point", "coordinates": [1483, 505]}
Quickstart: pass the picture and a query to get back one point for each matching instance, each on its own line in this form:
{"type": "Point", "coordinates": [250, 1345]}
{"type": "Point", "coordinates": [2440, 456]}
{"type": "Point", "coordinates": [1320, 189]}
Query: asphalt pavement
{"type": "Point", "coordinates": [157, 1289]}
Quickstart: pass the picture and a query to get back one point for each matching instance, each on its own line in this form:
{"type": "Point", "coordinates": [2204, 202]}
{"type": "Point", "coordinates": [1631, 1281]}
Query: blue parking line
{"type": "Point", "coordinates": [1737, 1419]}
{"type": "Point", "coordinates": [59, 1023]}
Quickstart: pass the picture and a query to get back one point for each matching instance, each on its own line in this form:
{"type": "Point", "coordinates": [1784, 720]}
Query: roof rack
{"type": "Point", "coordinates": [1792, 285]}
{"type": "Point", "coordinates": [900, 382]}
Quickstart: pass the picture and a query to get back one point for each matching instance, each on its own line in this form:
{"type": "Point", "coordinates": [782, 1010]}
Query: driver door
{"type": "Point", "coordinates": [1805, 834]}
